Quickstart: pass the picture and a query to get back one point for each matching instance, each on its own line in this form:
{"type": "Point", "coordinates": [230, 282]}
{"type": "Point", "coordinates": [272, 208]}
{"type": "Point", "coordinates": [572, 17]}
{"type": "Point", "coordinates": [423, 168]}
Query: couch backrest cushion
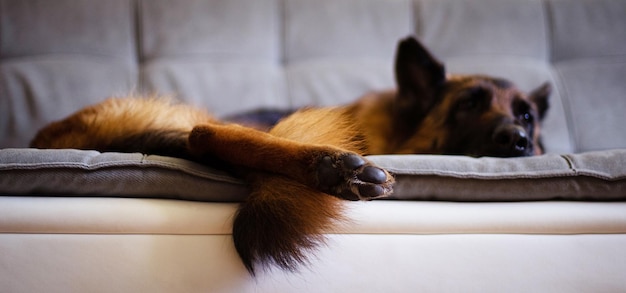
{"type": "Point", "coordinates": [57, 56]}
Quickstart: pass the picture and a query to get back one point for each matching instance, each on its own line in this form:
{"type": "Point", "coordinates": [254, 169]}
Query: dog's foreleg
{"type": "Point", "coordinates": [326, 168]}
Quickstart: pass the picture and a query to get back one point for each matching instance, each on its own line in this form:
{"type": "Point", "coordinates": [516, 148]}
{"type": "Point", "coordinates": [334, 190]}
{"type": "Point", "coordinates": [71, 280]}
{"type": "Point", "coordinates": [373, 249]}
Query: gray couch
{"type": "Point", "coordinates": [84, 221]}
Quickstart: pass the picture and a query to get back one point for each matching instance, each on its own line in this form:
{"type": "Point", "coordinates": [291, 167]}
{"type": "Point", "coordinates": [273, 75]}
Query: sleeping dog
{"type": "Point", "coordinates": [302, 169]}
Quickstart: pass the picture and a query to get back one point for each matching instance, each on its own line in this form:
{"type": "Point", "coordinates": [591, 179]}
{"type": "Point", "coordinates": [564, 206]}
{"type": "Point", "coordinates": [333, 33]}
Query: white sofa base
{"type": "Point", "coordinates": [143, 245]}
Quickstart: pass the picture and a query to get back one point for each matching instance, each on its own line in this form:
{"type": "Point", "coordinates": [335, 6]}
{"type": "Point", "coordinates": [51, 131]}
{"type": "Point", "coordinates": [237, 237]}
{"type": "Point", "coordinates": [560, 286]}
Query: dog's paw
{"type": "Point", "coordinates": [350, 176]}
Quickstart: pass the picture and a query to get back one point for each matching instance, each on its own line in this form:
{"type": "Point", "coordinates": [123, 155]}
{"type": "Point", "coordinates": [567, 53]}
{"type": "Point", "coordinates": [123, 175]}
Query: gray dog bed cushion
{"type": "Point", "coordinates": [586, 176]}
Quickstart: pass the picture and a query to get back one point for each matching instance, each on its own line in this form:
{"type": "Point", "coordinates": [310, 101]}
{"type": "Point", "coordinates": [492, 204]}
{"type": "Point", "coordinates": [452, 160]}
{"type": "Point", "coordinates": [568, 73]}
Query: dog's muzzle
{"type": "Point", "coordinates": [512, 140]}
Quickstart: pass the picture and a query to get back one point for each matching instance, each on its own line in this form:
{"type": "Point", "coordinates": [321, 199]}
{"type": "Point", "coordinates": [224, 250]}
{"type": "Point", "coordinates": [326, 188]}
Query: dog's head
{"type": "Point", "coordinates": [474, 115]}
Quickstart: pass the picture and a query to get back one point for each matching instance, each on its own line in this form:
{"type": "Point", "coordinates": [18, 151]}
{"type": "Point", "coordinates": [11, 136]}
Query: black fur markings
{"type": "Point", "coordinates": [351, 177]}
{"type": "Point", "coordinates": [171, 143]}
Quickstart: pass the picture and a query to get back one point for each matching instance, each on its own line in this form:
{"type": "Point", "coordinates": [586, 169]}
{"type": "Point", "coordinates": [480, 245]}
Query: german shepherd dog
{"type": "Point", "coordinates": [302, 169]}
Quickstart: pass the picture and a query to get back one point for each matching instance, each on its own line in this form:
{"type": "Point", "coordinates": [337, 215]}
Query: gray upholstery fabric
{"type": "Point", "coordinates": [586, 176]}
{"type": "Point", "coordinates": [223, 55]}
{"type": "Point", "coordinates": [73, 27]}
{"type": "Point", "coordinates": [90, 173]}
{"type": "Point", "coordinates": [589, 58]}
{"type": "Point", "coordinates": [239, 30]}
{"type": "Point", "coordinates": [348, 30]}
{"type": "Point", "coordinates": [454, 28]}
{"type": "Point", "coordinates": [587, 29]}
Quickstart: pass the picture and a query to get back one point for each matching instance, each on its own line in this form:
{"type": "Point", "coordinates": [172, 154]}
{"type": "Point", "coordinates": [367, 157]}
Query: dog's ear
{"type": "Point", "coordinates": [540, 96]}
{"type": "Point", "coordinates": [419, 76]}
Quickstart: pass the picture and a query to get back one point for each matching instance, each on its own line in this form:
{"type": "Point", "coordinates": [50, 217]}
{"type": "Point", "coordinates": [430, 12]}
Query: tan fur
{"type": "Point", "coordinates": [95, 126]}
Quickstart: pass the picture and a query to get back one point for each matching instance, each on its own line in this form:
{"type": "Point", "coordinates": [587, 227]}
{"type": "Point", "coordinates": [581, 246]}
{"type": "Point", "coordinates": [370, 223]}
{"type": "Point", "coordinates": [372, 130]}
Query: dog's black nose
{"type": "Point", "coordinates": [511, 139]}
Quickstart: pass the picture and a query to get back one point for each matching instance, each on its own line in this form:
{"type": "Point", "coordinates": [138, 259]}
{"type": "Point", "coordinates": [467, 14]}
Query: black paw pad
{"type": "Point", "coordinates": [352, 161]}
{"type": "Point", "coordinates": [371, 191]}
{"type": "Point", "coordinates": [372, 174]}
{"type": "Point", "coordinates": [352, 177]}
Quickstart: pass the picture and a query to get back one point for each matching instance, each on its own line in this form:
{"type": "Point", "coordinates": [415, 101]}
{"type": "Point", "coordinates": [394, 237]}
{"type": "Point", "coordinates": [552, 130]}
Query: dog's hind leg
{"type": "Point", "coordinates": [326, 168]}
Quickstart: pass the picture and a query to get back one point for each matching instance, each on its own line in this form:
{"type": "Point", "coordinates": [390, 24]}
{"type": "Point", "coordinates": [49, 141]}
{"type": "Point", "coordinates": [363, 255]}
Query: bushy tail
{"type": "Point", "coordinates": [282, 222]}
